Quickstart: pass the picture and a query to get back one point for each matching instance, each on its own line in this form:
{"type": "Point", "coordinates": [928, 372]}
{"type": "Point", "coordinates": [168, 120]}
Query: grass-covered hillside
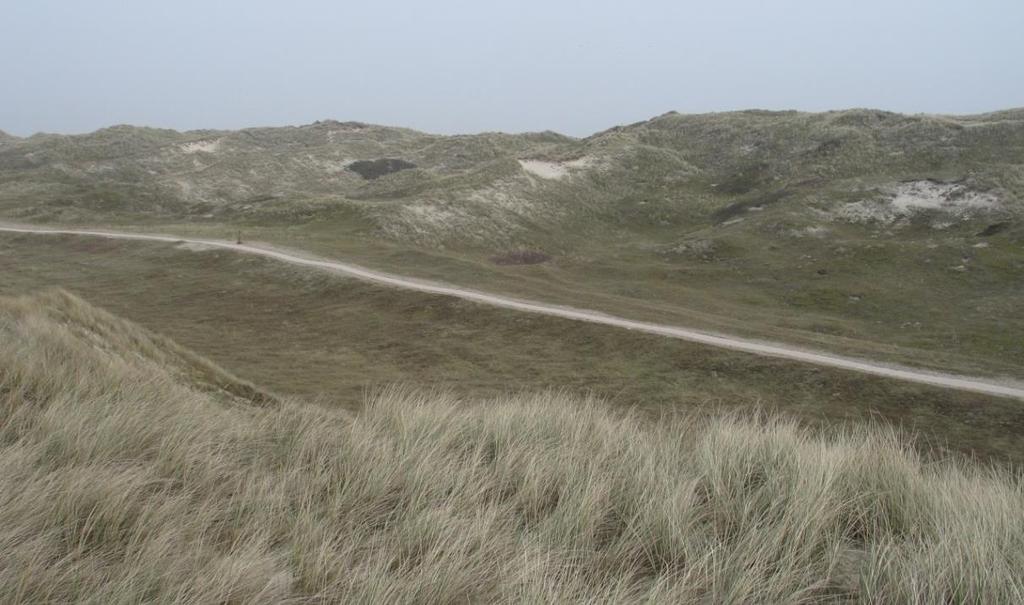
{"type": "Point", "coordinates": [674, 170]}
{"type": "Point", "coordinates": [134, 471]}
{"type": "Point", "coordinates": [326, 339]}
{"type": "Point", "coordinates": [879, 234]}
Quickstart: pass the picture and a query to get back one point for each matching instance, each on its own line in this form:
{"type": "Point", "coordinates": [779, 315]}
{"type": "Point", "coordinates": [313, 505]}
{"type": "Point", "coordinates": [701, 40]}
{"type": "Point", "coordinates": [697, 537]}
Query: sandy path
{"type": "Point", "coordinates": [1006, 388]}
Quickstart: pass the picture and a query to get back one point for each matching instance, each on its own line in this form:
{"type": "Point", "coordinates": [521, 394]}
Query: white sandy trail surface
{"type": "Point", "coordinates": [1002, 388]}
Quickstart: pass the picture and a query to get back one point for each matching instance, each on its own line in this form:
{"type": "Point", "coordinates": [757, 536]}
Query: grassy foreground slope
{"type": "Point", "coordinates": [126, 476]}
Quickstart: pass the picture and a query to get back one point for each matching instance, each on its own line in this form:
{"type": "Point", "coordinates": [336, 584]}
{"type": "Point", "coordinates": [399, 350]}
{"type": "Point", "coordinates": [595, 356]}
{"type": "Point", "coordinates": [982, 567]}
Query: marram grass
{"type": "Point", "coordinates": [124, 478]}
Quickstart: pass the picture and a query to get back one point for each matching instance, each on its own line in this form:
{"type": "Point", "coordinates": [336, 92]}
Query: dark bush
{"type": "Point", "coordinates": [372, 169]}
{"type": "Point", "coordinates": [521, 257]}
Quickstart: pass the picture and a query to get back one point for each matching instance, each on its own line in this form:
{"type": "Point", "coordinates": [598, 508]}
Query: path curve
{"type": "Point", "coordinates": [1007, 388]}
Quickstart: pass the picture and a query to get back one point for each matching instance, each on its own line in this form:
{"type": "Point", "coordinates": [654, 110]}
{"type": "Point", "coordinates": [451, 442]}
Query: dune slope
{"type": "Point", "coordinates": [126, 475]}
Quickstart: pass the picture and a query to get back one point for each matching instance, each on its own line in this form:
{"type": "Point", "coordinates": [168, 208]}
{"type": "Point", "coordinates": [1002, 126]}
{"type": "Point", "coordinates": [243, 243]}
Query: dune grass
{"type": "Point", "coordinates": [124, 480]}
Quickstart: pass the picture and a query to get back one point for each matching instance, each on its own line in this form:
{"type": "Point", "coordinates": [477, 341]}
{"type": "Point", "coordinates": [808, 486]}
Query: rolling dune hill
{"type": "Point", "coordinates": [872, 233]}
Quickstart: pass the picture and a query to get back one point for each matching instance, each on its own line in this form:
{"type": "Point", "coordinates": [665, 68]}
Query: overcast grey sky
{"type": "Point", "coordinates": [465, 66]}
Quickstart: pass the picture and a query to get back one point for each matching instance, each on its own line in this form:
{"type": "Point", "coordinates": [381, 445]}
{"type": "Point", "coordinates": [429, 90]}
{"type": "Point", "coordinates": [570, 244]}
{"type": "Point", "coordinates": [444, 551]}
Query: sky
{"type": "Point", "coordinates": [453, 66]}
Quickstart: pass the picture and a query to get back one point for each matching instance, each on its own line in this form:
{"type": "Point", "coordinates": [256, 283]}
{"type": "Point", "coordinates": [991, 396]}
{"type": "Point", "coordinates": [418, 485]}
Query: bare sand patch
{"type": "Point", "coordinates": [903, 200]}
{"type": "Point", "coordinates": [930, 195]}
{"type": "Point", "coordinates": [201, 146]}
{"type": "Point", "coordinates": [556, 170]}
{"type": "Point", "coordinates": [817, 231]}
{"type": "Point", "coordinates": [545, 170]}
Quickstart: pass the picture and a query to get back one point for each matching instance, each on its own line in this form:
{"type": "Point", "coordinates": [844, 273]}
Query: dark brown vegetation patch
{"type": "Point", "coordinates": [372, 169]}
{"type": "Point", "coordinates": [521, 257]}
{"type": "Point", "coordinates": [994, 229]}
{"type": "Point", "coordinates": [738, 208]}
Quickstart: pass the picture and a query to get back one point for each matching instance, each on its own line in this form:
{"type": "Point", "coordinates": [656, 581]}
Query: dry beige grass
{"type": "Point", "coordinates": [133, 472]}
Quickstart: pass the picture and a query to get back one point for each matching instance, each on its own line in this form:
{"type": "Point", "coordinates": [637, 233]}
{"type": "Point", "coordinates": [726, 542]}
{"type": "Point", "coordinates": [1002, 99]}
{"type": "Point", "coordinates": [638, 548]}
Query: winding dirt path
{"type": "Point", "coordinates": [1004, 388]}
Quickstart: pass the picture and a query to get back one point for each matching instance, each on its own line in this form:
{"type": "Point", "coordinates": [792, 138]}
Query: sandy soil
{"type": "Point", "coordinates": [201, 146]}
{"type": "Point", "coordinates": [954, 198]}
{"type": "Point", "coordinates": [905, 199]}
{"type": "Point", "coordinates": [555, 170]}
